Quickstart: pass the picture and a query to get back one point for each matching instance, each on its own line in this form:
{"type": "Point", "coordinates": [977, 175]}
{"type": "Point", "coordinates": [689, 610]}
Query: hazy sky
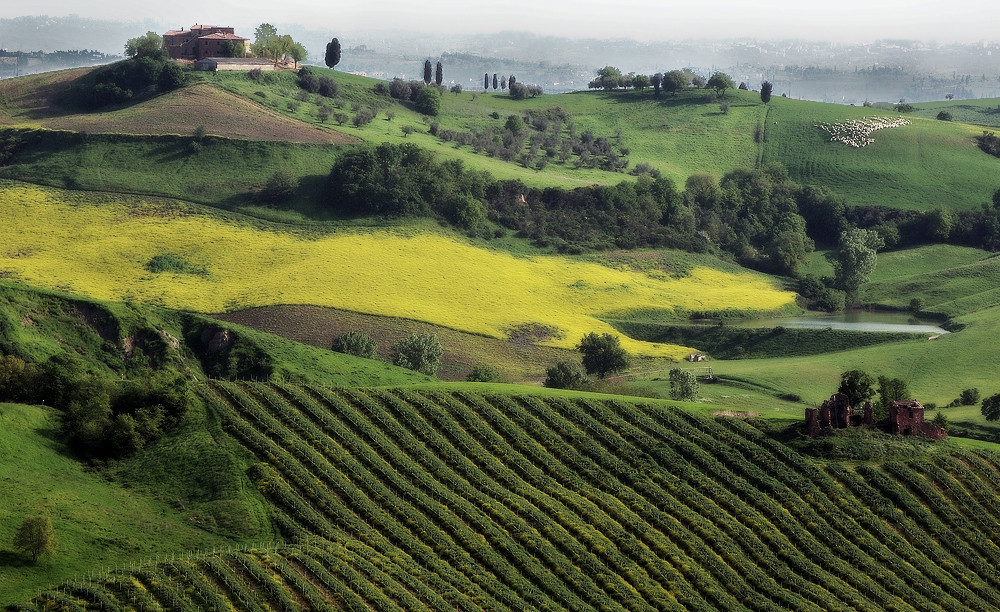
{"type": "Point", "coordinates": [840, 20]}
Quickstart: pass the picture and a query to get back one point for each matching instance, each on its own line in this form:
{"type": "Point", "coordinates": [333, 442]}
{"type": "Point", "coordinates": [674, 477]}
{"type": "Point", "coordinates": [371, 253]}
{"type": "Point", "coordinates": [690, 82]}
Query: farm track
{"type": "Point", "coordinates": [399, 499]}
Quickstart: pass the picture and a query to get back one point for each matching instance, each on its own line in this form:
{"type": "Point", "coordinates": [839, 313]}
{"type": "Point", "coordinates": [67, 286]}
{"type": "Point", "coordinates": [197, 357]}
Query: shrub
{"type": "Point", "coordinates": [969, 397]}
{"type": "Point", "coordinates": [564, 375]}
{"type": "Point", "coordinates": [328, 88]}
{"type": "Point", "coordinates": [420, 352]}
{"type": "Point", "coordinates": [518, 91]}
{"type": "Point", "coordinates": [683, 385]}
{"type": "Point", "coordinates": [308, 81]}
{"type": "Point", "coordinates": [363, 117]}
{"type": "Point", "coordinates": [428, 102]}
{"type": "Point", "coordinates": [944, 116]}
{"type": "Point", "coordinates": [356, 343]}
{"type": "Point", "coordinates": [399, 89]}
{"type": "Point", "coordinates": [483, 373]}
{"type": "Point", "coordinates": [279, 187]}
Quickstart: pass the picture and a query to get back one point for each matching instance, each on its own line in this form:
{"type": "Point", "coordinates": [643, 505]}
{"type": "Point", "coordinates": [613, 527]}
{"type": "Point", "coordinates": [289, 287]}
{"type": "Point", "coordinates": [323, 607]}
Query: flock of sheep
{"type": "Point", "coordinates": [857, 132]}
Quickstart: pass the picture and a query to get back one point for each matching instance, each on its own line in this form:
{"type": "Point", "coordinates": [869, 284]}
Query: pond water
{"type": "Point", "coordinates": [855, 320]}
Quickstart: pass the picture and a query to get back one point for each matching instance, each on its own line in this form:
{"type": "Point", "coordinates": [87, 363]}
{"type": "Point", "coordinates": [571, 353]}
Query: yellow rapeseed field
{"type": "Point", "coordinates": [63, 241]}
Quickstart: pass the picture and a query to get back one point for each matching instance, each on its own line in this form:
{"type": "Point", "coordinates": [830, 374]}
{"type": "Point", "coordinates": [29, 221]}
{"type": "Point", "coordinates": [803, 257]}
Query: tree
{"type": "Point", "coordinates": [486, 81]}
{"type": "Point", "coordinates": [656, 80]}
{"type": "Point", "coordinates": [233, 48]}
{"type": "Point", "coordinates": [297, 52]}
{"type": "Point", "coordinates": [420, 352]}
{"type": "Point", "coordinates": [495, 82]}
{"type": "Point", "coordinates": [511, 81]}
{"type": "Point", "coordinates": [858, 386]}
{"type": "Point", "coordinates": [608, 77]}
{"type": "Point", "coordinates": [969, 397]}
{"type": "Point", "coordinates": [149, 45]}
{"type": "Point", "coordinates": [683, 385]}
{"type": "Point", "coordinates": [427, 71]}
{"type": "Point", "coordinates": [891, 390]}
{"type": "Point", "coordinates": [720, 82]}
{"type": "Point", "coordinates": [674, 81]}
{"type": "Point", "coordinates": [564, 375]}
{"type": "Point", "coordinates": [263, 39]}
{"type": "Point", "coordinates": [438, 74]}
{"type": "Point", "coordinates": [518, 91]}
{"type": "Point", "coordinates": [36, 537]}
{"type": "Point", "coordinates": [602, 354]}
{"type": "Point", "coordinates": [503, 82]}
{"type": "Point", "coordinates": [765, 91]}
{"type": "Point", "coordinates": [356, 343]}
{"type": "Point", "coordinates": [991, 407]}
{"type": "Point", "coordinates": [640, 82]}
{"type": "Point", "coordinates": [428, 102]}
{"type": "Point", "coordinates": [332, 57]}
{"type": "Point", "coordinates": [456, 89]}
{"type": "Point", "coordinates": [855, 259]}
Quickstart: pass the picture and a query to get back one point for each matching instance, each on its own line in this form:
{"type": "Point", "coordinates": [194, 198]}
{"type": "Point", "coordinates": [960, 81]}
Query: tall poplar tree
{"type": "Point", "coordinates": [332, 53]}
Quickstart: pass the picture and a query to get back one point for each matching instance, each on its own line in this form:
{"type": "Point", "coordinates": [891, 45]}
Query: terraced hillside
{"type": "Point", "coordinates": [403, 499]}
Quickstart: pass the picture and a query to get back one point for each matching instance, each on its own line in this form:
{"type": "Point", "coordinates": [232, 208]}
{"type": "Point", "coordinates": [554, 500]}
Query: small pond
{"type": "Point", "coordinates": [855, 320]}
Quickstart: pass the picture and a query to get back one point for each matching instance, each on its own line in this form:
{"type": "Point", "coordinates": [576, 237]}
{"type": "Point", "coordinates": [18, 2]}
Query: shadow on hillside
{"type": "Point", "coordinates": [976, 431]}
{"type": "Point", "coordinates": [9, 558]}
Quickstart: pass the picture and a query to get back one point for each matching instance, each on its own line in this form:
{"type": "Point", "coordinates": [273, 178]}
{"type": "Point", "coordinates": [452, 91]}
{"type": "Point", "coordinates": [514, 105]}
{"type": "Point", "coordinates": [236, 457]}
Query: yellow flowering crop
{"type": "Point", "coordinates": [102, 250]}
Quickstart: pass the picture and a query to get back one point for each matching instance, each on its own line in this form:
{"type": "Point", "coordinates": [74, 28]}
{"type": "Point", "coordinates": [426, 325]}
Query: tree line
{"type": "Point", "coordinates": [759, 218]}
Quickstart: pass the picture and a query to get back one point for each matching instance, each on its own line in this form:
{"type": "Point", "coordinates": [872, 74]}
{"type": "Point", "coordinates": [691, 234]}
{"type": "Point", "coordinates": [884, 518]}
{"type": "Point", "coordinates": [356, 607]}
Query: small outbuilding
{"type": "Point", "coordinates": [215, 64]}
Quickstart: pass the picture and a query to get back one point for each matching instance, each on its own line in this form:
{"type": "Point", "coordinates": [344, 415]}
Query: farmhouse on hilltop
{"type": "Point", "coordinates": [200, 41]}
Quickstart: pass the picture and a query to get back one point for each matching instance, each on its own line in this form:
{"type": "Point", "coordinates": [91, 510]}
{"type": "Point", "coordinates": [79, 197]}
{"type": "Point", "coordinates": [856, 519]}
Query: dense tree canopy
{"type": "Point", "coordinates": [332, 57]}
{"type": "Point", "coordinates": [765, 91]}
{"type": "Point", "coordinates": [36, 537]}
{"type": "Point", "coordinates": [609, 77]}
{"type": "Point", "coordinates": [602, 354]}
{"type": "Point", "coordinates": [858, 386]}
{"type": "Point", "coordinates": [149, 45]}
{"type": "Point", "coordinates": [855, 259]}
{"type": "Point", "coordinates": [720, 82]}
{"type": "Point", "coordinates": [674, 81]}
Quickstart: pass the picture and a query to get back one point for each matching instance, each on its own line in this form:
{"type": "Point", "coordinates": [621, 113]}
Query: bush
{"type": "Point", "coordinates": [420, 352]}
{"type": "Point", "coordinates": [308, 80]}
{"type": "Point", "coordinates": [356, 343]}
{"type": "Point", "coordinates": [564, 375]}
{"type": "Point", "coordinates": [969, 397]}
{"type": "Point", "coordinates": [279, 187]}
{"type": "Point", "coordinates": [328, 88]}
{"type": "Point", "coordinates": [363, 117]}
{"type": "Point", "coordinates": [399, 89]}
{"type": "Point", "coordinates": [483, 373]}
{"type": "Point", "coordinates": [683, 385]}
{"type": "Point", "coordinates": [518, 91]}
{"type": "Point", "coordinates": [428, 102]}
{"type": "Point", "coordinates": [944, 116]}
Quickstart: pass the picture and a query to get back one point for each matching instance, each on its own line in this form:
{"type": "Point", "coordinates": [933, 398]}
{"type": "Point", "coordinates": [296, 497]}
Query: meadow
{"type": "Point", "coordinates": [99, 247]}
{"type": "Point", "coordinates": [920, 166]}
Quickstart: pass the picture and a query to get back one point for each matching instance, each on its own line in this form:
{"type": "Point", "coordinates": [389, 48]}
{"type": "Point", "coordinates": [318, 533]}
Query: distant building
{"type": "Point", "coordinates": [200, 41]}
{"type": "Point", "coordinates": [215, 64]}
{"type": "Point", "coordinates": [905, 418]}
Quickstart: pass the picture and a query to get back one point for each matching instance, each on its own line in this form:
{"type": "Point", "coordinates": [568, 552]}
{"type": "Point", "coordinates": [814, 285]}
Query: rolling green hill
{"type": "Point", "coordinates": [920, 166]}
{"type": "Point", "coordinates": [397, 499]}
{"type": "Point", "coordinates": [326, 482]}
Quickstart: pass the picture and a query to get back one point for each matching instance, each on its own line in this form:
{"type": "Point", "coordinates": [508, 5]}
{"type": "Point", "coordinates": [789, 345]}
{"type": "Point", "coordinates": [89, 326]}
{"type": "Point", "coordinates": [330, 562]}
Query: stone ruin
{"type": "Point", "coordinates": [905, 418]}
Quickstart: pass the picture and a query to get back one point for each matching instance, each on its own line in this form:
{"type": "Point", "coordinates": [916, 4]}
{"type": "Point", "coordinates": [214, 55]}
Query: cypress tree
{"type": "Point", "coordinates": [438, 74]}
{"type": "Point", "coordinates": [427, 71]}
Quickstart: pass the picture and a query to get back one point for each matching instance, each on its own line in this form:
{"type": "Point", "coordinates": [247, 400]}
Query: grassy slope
{"type": "Point", "coordinates": [98, 524]}
{"type": "Point", "coordinates": [37, 324]}
{"type": "Point", "coordinates": [482, 501]}
{"type": "Point", "coordinates": [920, 166]}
